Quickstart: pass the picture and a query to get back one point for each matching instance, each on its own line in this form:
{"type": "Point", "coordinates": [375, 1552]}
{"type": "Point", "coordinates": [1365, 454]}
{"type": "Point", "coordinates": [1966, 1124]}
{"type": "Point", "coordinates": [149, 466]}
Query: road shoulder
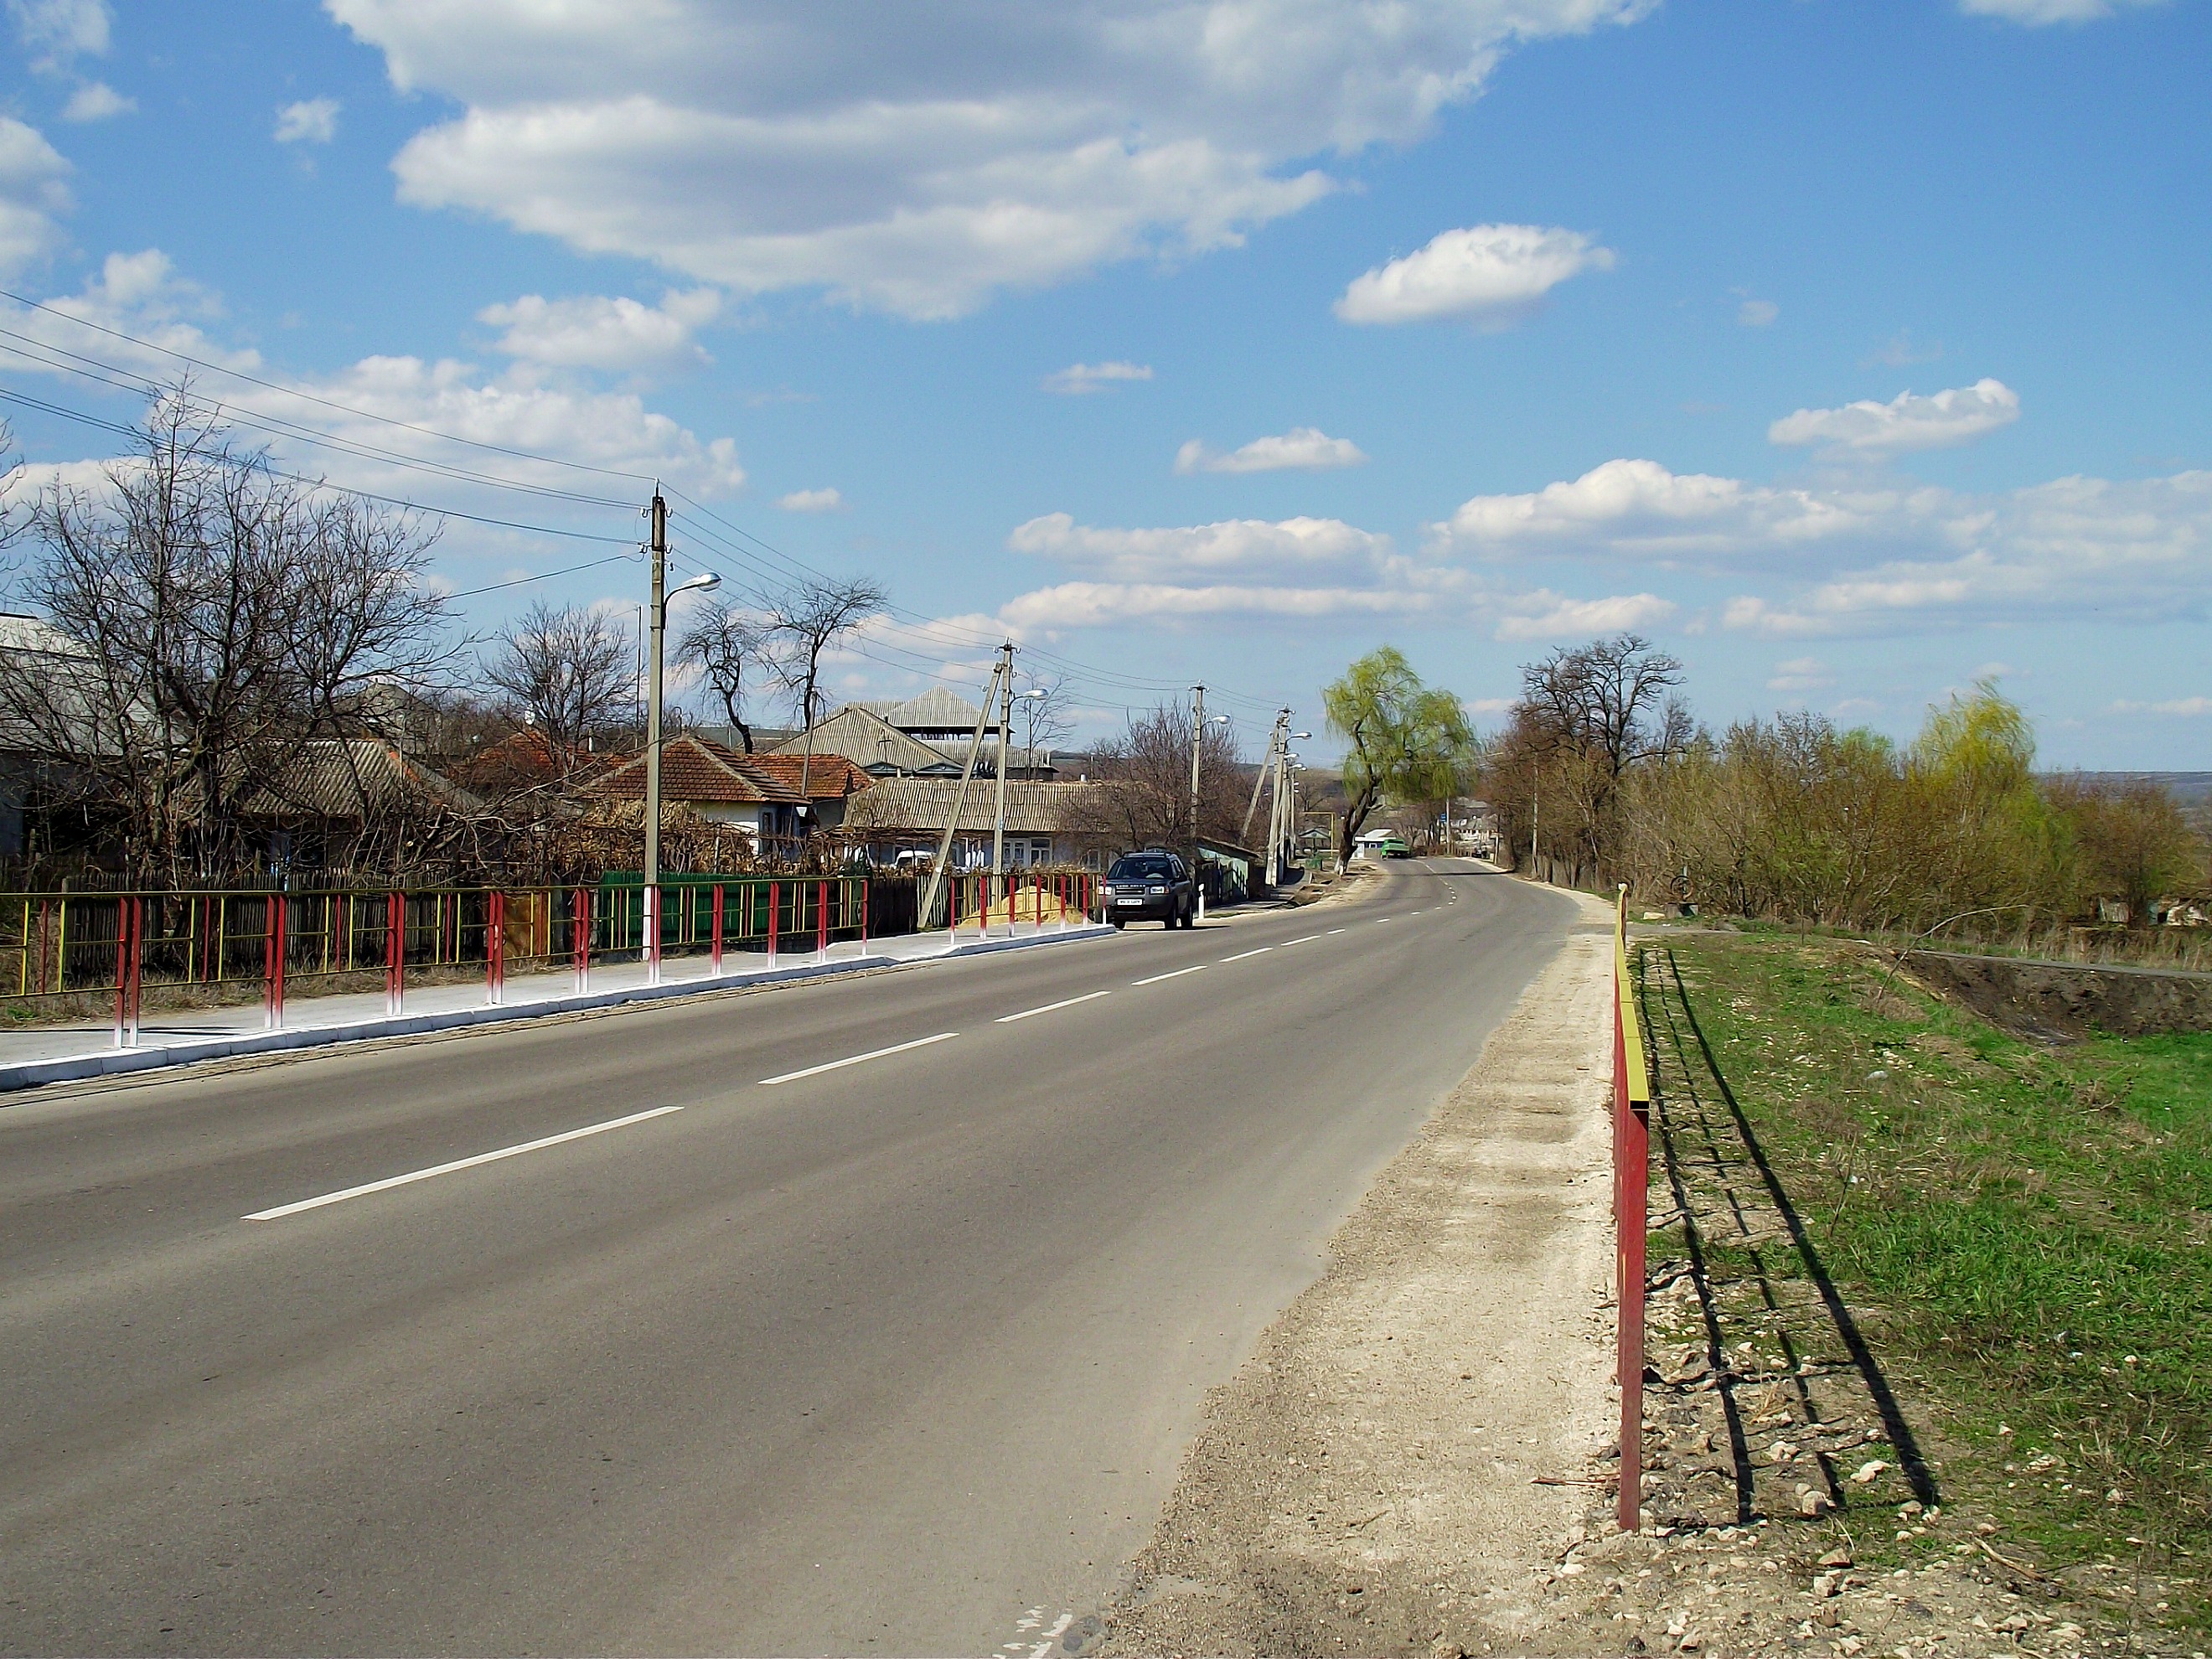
{"type": "Point", "coordinates": [1368, 1481]}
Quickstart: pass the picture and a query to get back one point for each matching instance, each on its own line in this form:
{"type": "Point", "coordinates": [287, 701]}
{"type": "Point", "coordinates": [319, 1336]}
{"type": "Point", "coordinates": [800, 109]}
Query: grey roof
{"type": "Point", "coordinates": [318, 781]}
{"type": "Point", "coordinates": [911, 805]}
{"type": "Point", "coordinates": [935, 710]}
{"type": "Point", "coordinates": [866, 739]}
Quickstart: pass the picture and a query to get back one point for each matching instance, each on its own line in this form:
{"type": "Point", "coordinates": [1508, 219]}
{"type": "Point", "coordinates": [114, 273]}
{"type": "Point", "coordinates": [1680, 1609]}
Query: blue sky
{"type": "Point", "coordinates": [1848, 352]}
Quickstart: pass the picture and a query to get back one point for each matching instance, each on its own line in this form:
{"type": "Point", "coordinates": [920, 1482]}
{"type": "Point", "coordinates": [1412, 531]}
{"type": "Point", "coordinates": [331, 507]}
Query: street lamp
{"type": "Point", "coordinates": [661, 595]}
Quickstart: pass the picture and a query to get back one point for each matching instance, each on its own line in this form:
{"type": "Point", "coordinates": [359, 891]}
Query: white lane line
{"type": "Point", "coordinates": [1178, 974]}
{"type": "Point", "coordinates": [855, 1060]}
{"type": "Point", "coordinates": [1008, 1020]}
{"type": "Point", "coordinates": [1241, 955]}
{"type": "Point", "coordinates": [1308, 939]}
{"type": "Point", "coordinates": [1334, 930]}
{"type": "Point", "coordinates": [386, 1185]}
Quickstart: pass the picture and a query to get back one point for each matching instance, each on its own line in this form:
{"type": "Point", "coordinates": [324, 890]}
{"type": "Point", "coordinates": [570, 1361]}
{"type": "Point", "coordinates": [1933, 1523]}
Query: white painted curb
{"type": "Point", "coordinates": [111, 1062]}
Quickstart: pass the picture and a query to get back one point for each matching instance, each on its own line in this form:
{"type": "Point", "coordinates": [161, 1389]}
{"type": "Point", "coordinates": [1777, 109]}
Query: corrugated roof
{"type": "Point", "coordinates": [866, 739]}
{"type": "Point", "coordinates": [935, 710]}
{"type": "Point", "coordinates": [327, 779]}
{"type": "Point", "coordinates": [924, 804]}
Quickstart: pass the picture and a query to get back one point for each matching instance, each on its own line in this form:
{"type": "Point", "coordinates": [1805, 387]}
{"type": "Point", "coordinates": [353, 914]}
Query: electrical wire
{"type": "Point", "coordinates": [338, 489]}
{"type": "Point", "coordinates": [309, 397]}
{"type": "Point", "coordinates": [361, 450]}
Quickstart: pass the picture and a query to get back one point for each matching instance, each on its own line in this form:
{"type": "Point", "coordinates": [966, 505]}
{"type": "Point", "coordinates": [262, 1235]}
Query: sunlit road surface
{"type": "Point", "coordinates": [870, 1316]}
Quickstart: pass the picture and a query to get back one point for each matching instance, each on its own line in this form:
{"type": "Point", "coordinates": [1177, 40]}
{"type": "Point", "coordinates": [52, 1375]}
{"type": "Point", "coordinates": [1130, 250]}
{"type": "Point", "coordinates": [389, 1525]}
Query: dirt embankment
{"type": "Point", "coordinates": [2069, 999]}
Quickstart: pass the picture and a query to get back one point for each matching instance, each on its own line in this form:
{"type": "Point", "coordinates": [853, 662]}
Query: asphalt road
{"type": "Point", "coordinates": [896, 1356]}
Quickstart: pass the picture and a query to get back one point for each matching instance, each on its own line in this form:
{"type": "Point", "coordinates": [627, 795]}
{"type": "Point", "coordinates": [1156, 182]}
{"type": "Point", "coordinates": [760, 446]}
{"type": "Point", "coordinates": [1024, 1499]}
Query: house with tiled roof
{"type": "Point", "coordinates": [717, 784]}
{"type": "Point", "coordinates": [826, 782]}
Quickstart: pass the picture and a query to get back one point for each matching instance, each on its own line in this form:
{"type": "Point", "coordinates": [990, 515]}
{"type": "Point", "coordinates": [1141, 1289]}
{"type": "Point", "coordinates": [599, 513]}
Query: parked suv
{"type": "Point", "coordinates": [1150, 887]}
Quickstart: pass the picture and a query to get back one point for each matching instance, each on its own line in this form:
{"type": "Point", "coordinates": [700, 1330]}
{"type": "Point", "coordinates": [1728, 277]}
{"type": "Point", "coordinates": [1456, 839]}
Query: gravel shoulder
{"type": "Point", "coordinates": [1370, 1480]}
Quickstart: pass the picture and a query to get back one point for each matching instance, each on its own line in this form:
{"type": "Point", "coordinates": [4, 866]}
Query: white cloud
{"type": "Point", "coordinates": [2038, 12]}
{"type": "Point", "coordinates": [33, 194]}
{"type": "Point", "coordinates": [1306, 546]}
{"type": "Point", "coordinates": [95, 100]}
{"type": "Point", "coordinates": [811, 501]}
{"type": "Point", "coordinates": [1547, 615]}
{"type": "Point", "coordinates": [923, 160]}
{"type": "Point", "coordinates": [310, 121]}
{"type": "Point", "coordinates": [1757, 313]}
{"type": "Point", "coordinates": [2184, 708]}
{"type": "Point", "coordinates": [591, 331]}
{"type": "Point", "coordinates": [1079, 380]}
{"type": "Point", "coordinates": [1492, 275]}
{"type": "Point", "coordinates": [58, 32]}
{"type": "Point", "coordinates": [1302, 448]}
{"type": "Point", "coordinates": [1840, 559]}
{"type": "Point", "coordinates": [1801, 674]}
{"type": "Point", "coordinates": [1639, 509]}
{"type": "Point", "coordinates": [140, 294]}
{"type": "Point", "coordinates": [1906, 423]}
{"type": "Point", "coordinates": [1288, 570]}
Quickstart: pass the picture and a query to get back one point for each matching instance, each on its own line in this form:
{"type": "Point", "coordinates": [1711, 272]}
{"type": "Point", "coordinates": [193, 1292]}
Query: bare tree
{"type": "Point", "coordinates": [1049, 716]}
{"type": "Point", "coordinates": [804, 622]}
{"type": "Point", "coordinates": [568, 671]}
{"type": "Point", "coordinates": [730, 646]}
{"type": "Point", "coordinates": [1141, 785]}
{"type": "Point", "coordinates": [807, 620]}
{"type": "Point", "coordinates": [207, 614]}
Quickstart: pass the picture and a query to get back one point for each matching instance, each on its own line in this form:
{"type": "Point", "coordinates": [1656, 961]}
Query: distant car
{"type": "Point", "coordinates": [1150, 887]}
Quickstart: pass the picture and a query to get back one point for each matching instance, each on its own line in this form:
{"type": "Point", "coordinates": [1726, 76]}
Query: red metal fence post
{"type": "Point", "coordinates": [280, 909]}
{"type": "Point", "coordinates": [775, 903]}
{"type": "Point", "coordinates": [129, 924]}
{"type": "Point", "coordinates": [715, 957]}
{"type": "Point", "coordinates": [822, 921]}
{"type": "Point", "coordinates": [496, 948]}
{"type": "Point", "coordinates": [650, 923]}
{"type": "Point", "coordinates": [866, 893]}
{"type": "Point", "coordinates": [583, 939]}
{"type": "Point", "coordinates": [395, 952]}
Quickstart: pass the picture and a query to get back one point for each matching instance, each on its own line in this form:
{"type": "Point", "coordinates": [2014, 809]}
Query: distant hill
{"type": "Point", "coordinates": [2190, 788]}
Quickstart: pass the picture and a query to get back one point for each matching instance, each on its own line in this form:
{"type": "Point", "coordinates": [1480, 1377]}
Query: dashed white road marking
{"type": "Point", "coordinates": [1008, 1020]}
{"type": "Point", "coordinates": [1178, 974]}
{"type": "Point", "coordinates": [1241, 955]}
{"type": "Point", "coordinates": [856, 1060]}
{"type": "Point", "coordinates": [1308, 939]}
{"type": "Point", "coordinates": [409, 1179]}
{"type": "Point", "coordinates": [1335, 930]}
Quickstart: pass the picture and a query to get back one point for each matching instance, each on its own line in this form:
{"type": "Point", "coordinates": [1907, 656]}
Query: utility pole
{"type": "Point", "coordinates": [1006, 725]}
{"type": "Point", "coordinates": [1197, 747]}
{"type": "Point", "coordinates": [928, 912]}
{"type": "Point", "coordinates": [651, 938]}
{"type": "Point", "coordinates": [1535, 817]}
{"type": "Point", "coordinates": [661, 598]}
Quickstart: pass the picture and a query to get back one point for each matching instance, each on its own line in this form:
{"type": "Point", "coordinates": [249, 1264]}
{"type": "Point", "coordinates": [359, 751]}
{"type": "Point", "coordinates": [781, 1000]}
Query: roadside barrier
{"type": "Point", "coordinates": [1632, 1180]}
{"type": "Point", "coordinates": [119, 945]}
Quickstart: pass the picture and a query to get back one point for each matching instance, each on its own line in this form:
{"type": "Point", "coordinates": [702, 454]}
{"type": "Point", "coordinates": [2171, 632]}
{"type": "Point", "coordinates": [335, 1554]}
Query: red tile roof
{"type": "Point", "coordinates": [693, 768]}
{"type": "Point", "coordinates": [829, 777]}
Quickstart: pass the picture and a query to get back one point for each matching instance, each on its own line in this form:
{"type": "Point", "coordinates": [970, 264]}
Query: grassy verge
{"type": "Point", "coordinates": [2025, 1232]}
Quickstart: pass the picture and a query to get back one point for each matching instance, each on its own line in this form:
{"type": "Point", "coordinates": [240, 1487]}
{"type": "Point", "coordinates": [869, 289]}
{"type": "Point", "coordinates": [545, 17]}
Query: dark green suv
{"type": "Point", "coordinates": [1150, 887]}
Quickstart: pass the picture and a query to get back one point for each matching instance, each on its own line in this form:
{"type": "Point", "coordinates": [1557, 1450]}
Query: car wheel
{"type": "Point", "coordinates": [1119, 924]}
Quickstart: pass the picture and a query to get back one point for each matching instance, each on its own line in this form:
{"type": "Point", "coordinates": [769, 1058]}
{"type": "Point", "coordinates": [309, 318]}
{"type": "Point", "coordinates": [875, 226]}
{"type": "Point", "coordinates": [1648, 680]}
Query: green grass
{"type": "Point", "coordinates": [2028, 1231]}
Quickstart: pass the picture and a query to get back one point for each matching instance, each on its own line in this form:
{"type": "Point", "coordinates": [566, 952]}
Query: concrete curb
{"type": "Point", "coordinates": [113, 1062]}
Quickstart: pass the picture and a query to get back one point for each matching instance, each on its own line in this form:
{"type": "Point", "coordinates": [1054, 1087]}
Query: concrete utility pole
{"type": "Point", "coordinates": [1006, 727]}
{"type": "Point", "coordinates": [661, 598]}
{"type": "Point", "coordinates": [1197, 747]}
{"type": "Point", "coordinates": [928, 912]}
